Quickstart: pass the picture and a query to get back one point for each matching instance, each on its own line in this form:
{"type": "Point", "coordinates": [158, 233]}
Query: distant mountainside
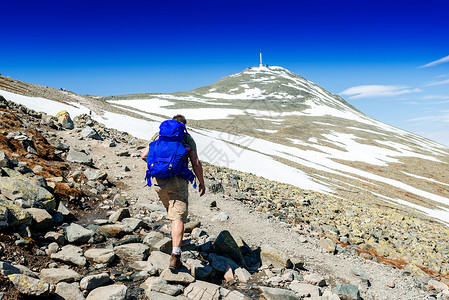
{"type": "Point", "coordinates": [274, 123]}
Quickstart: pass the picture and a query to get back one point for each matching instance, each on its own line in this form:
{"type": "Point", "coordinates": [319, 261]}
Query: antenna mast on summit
{"type": "Point", "coordinates": [261, 65]}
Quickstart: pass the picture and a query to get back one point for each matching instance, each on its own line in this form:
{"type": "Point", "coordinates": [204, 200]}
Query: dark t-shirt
{"type": "Point", "coordinates": [187, 141]}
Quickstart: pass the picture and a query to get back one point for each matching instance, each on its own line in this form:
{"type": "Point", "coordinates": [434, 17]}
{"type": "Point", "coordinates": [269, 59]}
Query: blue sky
{"type": "Point", "coordinates": [387, 58]}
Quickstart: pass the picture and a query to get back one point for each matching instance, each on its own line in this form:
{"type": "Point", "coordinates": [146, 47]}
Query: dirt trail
{"type": "Point", "coordinates": [254, 227]}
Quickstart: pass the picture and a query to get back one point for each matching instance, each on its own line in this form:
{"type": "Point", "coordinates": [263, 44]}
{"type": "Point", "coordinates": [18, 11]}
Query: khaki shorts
{"type": "Point", "coordinates": [174, 196]}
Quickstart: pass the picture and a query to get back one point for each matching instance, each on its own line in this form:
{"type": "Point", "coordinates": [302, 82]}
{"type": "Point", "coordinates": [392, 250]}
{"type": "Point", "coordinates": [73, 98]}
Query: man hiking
{"type": "Point", "coordinates": [166, 157]}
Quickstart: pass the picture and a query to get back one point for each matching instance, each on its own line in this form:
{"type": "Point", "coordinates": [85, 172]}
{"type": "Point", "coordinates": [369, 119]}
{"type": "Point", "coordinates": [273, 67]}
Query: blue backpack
{"type": "Point", "coordinates": [167, 155]}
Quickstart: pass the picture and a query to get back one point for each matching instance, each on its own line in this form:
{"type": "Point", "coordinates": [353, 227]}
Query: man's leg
{"type": "Point", "coordinates": [177, 233]}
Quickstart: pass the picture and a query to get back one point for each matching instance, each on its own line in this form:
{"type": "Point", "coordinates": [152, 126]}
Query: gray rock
{"type": "Point", "coordinates": [315, 279]}
{"type": "Point", "coordinates": [209, 291]}
{"type": "Point", "coordinates": [66, 213]}
{"type": "Point", "coordinates": [101, 256]}
{"type": "Point", "coordinates": [347, 291]}
{"type": "Point", "coordinates": [225, 244]}
{"type": "Point", "coordinates": [96, 185]}
{"type": "Point", "coordinates": [57, 144]}
{"type": "Point", "coordinates": [5, 162]}
{"type": "Point", "coordinates": [20, 187]}
{"type": "Point", "coordinates": [89, 132]}
{"type": "Point", "coordinates": [41, 218]}
{"type": "Point", "coordinates": [242, 275]}
{"type": "Point", "coordinates": [221, 263]}
{"type": "Point", "coordinates": [159, 260]}
{"type": "Point", "coordinates": [221, 217]}
{"type": "Point", "coordinates": [94, 174]}
{"type": "Point", "coordinates": [181, 276]}
{"type": "Point", "coordinates": [70, 255]}
{"type": "Point", "coordinates": [120, 200]}
{"type": "Point", "coordinates": [68, 291]}
{"type": "Point", "coordinates": [119, 215]}
{"type": "Point", "coordinates": [109, 292]}
{"type": "Point", "coordinates": [52, 248]}
{"type": "Point", "coordinates": [56, 275]}
{"type": "Point", "coordinates": [122, 153]}
{"type": "Point", "coordinates": [274, 257]}
{"type": "Point", "coordinates": [8, 269]}
{"type": "Point", "coordinates": [159, 296]}
{"type": "Point", "coordinates": [114, 230]}
{"type": "Point", "coordinates": [327, 245]}
{"type": "Point", "coordinates": [79, 157]}
{"type": "Point", "coordinates": [77, 234]}
{"type": "Point", "coordinates": [305, 290]}
{"type": "Point", "coordinates": [93, 281]}
{"type": "Point", "coordinates": [278, 294]}
{"type": "Point", "coordinates": [29, 286]}
{"type": "Point", "coordinates": [145, 266]}
{"type": "Point", "coordinates": [12, 215]}
{"type": "Point", "coordinates": [161, 285]}
{"type": "Point", "coordinates": [198, 269]}
{"type": "Point", "coordinates": [133, 223]}
{"type": "Point", "coordinates": [152, 238]}
{"type": "Point", "coordinates": [53, 236]}
{"type": "Point", "coordinates": [132, 252]}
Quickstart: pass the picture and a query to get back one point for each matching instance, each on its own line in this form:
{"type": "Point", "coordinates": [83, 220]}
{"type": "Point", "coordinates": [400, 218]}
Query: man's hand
{"type": "Point", "coordinates": [201, 189]}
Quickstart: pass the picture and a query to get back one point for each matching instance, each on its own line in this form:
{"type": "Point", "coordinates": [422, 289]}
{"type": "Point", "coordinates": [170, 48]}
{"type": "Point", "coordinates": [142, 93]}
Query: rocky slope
{"type": "Point", "coordinates": [78, 223]}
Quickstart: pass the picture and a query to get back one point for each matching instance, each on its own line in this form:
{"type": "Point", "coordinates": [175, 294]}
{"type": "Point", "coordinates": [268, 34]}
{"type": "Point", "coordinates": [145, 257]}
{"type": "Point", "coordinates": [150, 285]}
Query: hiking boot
{"type": "Point", "coordinates": [175, 262]}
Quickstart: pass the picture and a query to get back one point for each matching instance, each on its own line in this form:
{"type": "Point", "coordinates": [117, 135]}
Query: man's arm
{"type": "Point", "coordinates": [198, 170]}
{"type": "Point", "coordinates": [145, 153]}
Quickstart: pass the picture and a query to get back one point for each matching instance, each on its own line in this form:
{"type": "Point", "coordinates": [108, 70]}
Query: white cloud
{"type": "Point", "coordinates": [436, 62]}
{"type": "Point", "coordinates": [367, 91]}
{"type": "Point", "coordinates": [442, 117]}
{"type": "Point", "coordinates": [438, 82]}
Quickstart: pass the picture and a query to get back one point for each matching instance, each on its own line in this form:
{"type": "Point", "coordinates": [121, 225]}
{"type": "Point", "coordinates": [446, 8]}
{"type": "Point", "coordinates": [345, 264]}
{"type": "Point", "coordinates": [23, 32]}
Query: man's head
{"type": "Point", "coordinates": [180, 118]}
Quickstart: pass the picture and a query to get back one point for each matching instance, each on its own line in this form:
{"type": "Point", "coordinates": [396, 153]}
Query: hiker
{"type": "Point", "coordinates": [172, 186]}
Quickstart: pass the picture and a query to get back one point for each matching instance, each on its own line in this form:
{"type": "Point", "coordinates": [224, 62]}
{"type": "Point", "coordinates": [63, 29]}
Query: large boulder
{"type": "Point", "coordinates": [20, 187]}
{"type": "Point", "coordinates": [225, 244]}
{"type": "Point", "coordinates": [63, 119]}
{"type": "Point", "coordinates": [11, 214]}
{"type": "Point", "coordinates": [30, 286]}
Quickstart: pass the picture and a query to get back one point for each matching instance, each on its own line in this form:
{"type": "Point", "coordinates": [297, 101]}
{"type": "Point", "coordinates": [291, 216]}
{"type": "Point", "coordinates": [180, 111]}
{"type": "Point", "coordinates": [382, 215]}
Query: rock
{"type": "Point", "coordinates": [327, 245]}
{"type": "Point", "coordinates": [226, 245]}
{"type": "Point", "coordinates": [277, 294]}
{"type": "Point", "coordinates": [188, 227]}
{"type": "Point", "coordinates": [5, 161]}
{"type": "Point", "coordinates": [161, 285]}
{"type": "Point", "coordinates": [66, 213]}
{"type": "Point", "coordinates": [110, 292]}
{"type": "Point", "coordinates": [221, 217]}
{"type": "Point", "coordinates": [29, 286]}
{"type": "Point", "coordinates": [41, 218]}
{"type": "Point", "coordinates": [315, 279]}
{"type": "Point", "coordinates": [159, 260]}
{"type": "Point", "coordinates": [305, 290]}
{"type": "Point", "coordinates": [56, 275]}
{"type": "Point", "coordinates": [8, 269]}
{"type": "Point", "coordinates": [93, 281]}
{"type": "Point", "coordinates": [152, 295]}
{"type": "Point", "coordinates": [68, 291]}
{"type": "Point", "coordinates": [133, 223]}
{"type": "Point", "coordinates": [144, 266]}
{"type": "Point", "coordinates": [181, 276]}
{"type": "Point", "coordinates": [221, 263]}
{"type": "Point", "coordinates": [52, 248]}
{"type": "Point", "coordinates": [12, 214]}
{"type": "Point", "coordinates": [77, 234]}
{"type": "Point", "coordinates": [119, 215]}
{"type": "Point", "coordinates": [242, 275]}
{"type": "Point", "coordinates": [132, 252]}
{"type": "Point", "coordinates": [20, 187]}
{"type": "Point", "coordinates": [436, 285]}
{"type": "Point", "coordinates": [229, 275]}
{"type": "Point", "coordinates": [100, 256]}
{"type": "Point", "coordinates": [63, 119]}
{"type": "Point", "coordinates": [199, 270]}
{"type": "Point", "coordinates": [122, 153]}
{"type": "Point", "coordinates": [120, 200]}
{"type": "Point", "coordinates": [272, 256]}
{"type": "Point", "coordinates": [347, 291]}
{"type": "Point", "coordinates": [208, 291]}
{"type": "Point", "coordinates": [57, 144]}
{"type": "Point", "coordinates": [114, 230]}
{"type": "Point", "coordinates": [89, 132]}
{"type": "Point", "coordinates": [57, 237]}
{"type": "Point", "coordinates": [79, 157]}
{"type": "Point", "coordinates": [93, 174]}
{"type": "Point", "coordinates": [70, 255]}
{"type": "Point", "coordinates": [152, 238]}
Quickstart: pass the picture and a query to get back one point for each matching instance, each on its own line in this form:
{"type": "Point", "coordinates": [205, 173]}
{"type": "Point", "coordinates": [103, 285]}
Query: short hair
{"type": "Point", "coordinates": [180, 118]}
